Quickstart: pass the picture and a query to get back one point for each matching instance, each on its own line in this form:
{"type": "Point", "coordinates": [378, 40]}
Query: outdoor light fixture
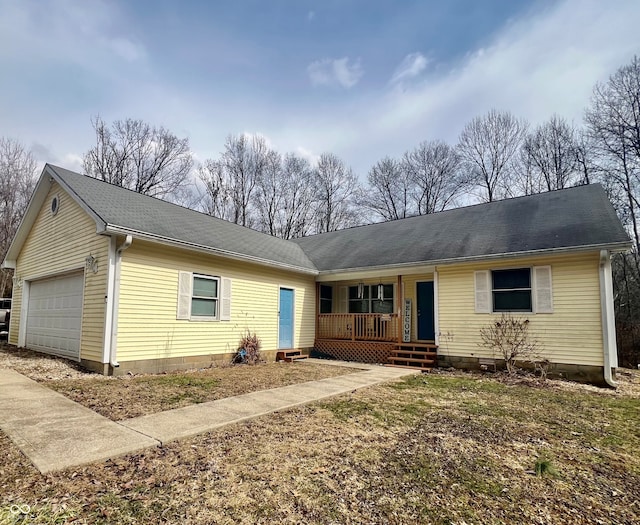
{"type": "Point", "coordinates": [380, 292]}
{"type": "Point", "coordinates": [360, 290]}
{"type": "Point", "coordinates": [91, 263]}
{"type": "Point", "coordinates": [17, 282]}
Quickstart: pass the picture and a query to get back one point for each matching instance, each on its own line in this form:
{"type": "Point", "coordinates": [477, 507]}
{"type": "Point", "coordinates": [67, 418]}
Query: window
{"type": "Point", "coordinates": [204, 298]}
{"type": "Point", "coordinates": [369, 303]}
{"type": "Point", "coordinates": [514, 290]}
{"type": "Point", "coordinates": [511, 290]}
{"type": "Point", "coordinates": [326, 299]}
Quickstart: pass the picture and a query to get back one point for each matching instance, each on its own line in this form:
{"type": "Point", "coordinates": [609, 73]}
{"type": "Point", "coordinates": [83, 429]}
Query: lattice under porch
{"type": "Point", "coordinates": [360, 351]}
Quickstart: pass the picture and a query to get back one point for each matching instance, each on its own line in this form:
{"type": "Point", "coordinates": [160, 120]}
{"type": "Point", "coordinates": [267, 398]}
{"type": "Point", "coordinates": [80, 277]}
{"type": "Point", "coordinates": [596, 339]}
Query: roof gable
{"type": "Point", "coordinates": [118, 210]}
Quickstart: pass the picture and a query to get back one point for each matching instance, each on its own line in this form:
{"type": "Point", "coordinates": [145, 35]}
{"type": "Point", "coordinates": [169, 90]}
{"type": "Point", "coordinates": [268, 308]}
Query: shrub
{"type": "Point", "coordinates": [544, 467]}
{"type": "Point", "coordinates": [249, 349]}
{"type": "Point", "coordinates": [509, 338]}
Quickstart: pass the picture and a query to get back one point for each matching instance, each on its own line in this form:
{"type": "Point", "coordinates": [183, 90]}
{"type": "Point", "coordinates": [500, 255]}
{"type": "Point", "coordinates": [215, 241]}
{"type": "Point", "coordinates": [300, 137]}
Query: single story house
{"type": "Point", "coordinates": [125, 282]}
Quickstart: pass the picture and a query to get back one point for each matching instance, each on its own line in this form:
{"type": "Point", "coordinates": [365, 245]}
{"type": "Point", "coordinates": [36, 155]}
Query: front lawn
{"type": "Point", "coordinates": [436, 448]}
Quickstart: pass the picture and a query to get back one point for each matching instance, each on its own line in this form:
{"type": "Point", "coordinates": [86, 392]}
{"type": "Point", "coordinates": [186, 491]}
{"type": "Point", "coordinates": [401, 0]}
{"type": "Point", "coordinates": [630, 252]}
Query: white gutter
{"type": "Point", "coordinates": [115, 293]}
{"type": "Point", "coordinates": [209, 250]}
{"type": "Point", "coordinates": [615, 247]}
{"type": "Point", "coordinates": [609, 346]}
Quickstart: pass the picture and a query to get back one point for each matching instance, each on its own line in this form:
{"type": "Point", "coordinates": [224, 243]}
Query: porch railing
{"type": "Point", "coordinates": [358, 327]}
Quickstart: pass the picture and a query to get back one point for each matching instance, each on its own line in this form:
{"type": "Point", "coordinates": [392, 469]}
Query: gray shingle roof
{"type": "Point", "coordinates": [564, 219]}
{"type": "Point", "coordinates": [133, 212]}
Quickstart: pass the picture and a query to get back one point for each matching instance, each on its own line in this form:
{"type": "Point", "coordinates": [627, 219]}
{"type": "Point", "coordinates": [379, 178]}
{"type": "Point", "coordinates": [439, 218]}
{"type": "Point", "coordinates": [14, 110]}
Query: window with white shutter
{"type": "Point", "coordinates": [514, 290]}
{"type": "Point", "coordinates": [543, 291]}
{"type": "Point", "coordinates": [203, 297]}
{"type": "Point", "coordinates": [483, 292]}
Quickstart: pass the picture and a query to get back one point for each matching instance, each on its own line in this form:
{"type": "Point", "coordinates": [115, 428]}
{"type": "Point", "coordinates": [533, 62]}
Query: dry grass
{"type": "Point", "coordinates": [125, 397]}
{"type": "Point", "coordinates": [441, 448]}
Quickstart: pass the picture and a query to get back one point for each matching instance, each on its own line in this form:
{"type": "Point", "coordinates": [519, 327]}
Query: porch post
{"type": "Point", "coordinates": [400, 309]}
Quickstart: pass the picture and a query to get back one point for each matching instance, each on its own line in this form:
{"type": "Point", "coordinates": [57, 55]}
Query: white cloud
{"type": "Point", "coordinates": [545, 62]}
{"type": "Point", "coordinates": [335, 72]}
{"type": "Point", "coordinates": [411, 66]}
{"type": "Point", "coordinates": [311, 15]}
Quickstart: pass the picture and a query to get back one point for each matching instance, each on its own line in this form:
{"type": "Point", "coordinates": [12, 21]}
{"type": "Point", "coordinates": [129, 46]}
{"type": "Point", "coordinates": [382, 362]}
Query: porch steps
{"type": "Point", "coordinates": [288, 356]}
{"type": "Point", "coordinates": [422, 356]}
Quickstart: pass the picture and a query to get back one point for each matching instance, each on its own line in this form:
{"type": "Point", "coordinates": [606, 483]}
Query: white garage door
{"type": "Point", "coordinates": [54, 316]}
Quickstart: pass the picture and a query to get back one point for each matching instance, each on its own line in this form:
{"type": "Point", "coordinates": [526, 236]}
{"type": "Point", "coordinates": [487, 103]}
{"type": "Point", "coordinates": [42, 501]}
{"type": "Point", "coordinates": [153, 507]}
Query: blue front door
{"type": "Point", "coordinates": [285, 327]}
{"type": "Point", "coordinates": [426, 319]}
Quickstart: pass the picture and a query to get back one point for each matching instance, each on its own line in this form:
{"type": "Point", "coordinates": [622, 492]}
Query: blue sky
{"type": "Point", "coordinates": [362, 79]}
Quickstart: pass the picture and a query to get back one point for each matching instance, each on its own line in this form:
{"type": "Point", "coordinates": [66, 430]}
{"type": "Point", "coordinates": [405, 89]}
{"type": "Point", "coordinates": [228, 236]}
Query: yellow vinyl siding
{"type": "Point", "coordinates": [147, 324]}
{"type": "Point", "coordinates": [59, 244]}
{"type": "Point", "coordinates": [571, 334]}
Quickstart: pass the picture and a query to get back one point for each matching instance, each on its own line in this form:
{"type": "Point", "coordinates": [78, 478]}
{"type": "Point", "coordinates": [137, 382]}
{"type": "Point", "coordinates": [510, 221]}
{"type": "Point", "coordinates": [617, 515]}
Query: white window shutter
{"type": "Point", "coordinates": [225, 302]}
{"type": "Point", "coordinates": [543, 291]}
{"type": "Point", "coordinates": [483, 292]}
{"type": "Point", "coordinates": [185, 288]}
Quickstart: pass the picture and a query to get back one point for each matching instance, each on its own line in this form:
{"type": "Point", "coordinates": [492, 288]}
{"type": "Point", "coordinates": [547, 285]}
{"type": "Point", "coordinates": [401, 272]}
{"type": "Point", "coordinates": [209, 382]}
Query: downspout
{"type": "Point", "coordinates": [608, 319]}
{"type": "Point", "coordinates": [116, 299]}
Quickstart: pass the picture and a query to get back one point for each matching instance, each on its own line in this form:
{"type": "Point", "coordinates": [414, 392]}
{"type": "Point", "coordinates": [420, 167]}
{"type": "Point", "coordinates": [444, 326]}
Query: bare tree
{"type": "Point", "coordinates": [434, 171]}
{"type": "Point", "coordinates": [613, 122]}
{"type": "Point", "coordinates": [613, 127]}
{"type": "Point", "coordinates": [335, 188]}
{"type": "Point", "coordinates": [552, 151]}
{"type": "Point", "coordinates": [215, 199]}
{"type": "Point", "coordinates": [487, 146]}
{"type": "Point", "coordinates": [231, 180]}
{"type": "Point", "coordinates": [298, 203]}
{"type": "Point", "coordinates": [144, 158]}
{"type": "Point", "coordinates": [17, 181]}
{"type": "Point", "coordinates": [389, 190]}
{"type": "Point", "coordinates": [270, 194]}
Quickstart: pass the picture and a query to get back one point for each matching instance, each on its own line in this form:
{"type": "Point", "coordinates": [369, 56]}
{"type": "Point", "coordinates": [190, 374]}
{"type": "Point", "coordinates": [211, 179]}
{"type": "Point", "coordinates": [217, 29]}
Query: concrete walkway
{"type": "Point", "coordinates": [56, 433]}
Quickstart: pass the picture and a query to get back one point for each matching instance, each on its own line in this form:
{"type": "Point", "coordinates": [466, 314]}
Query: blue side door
{"type": "Point", "coordinates": [426, 319]}
{"type": "Point", "coordinates": [285, 326]}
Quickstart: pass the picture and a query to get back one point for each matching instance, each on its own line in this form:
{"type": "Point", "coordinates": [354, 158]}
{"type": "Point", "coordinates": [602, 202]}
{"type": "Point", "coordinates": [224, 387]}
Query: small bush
{"type": "Point", "coordinates": [509, 338]}
{"type": "Point", "coordinates": [249, 349]}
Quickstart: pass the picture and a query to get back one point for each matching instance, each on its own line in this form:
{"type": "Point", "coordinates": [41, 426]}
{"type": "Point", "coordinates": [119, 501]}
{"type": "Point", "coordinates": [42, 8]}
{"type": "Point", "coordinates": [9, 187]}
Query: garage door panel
{"type": "Point", "coordinates": [54, 317]}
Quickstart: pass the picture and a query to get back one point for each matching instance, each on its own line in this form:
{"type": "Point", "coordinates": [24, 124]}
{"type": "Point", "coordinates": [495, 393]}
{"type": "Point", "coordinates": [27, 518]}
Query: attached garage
{"type": "Point", "coordinates": [54, 315]}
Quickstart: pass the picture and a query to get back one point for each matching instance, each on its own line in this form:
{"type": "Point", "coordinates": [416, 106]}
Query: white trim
{"type": "Point", "coordinates": [24, 313]}
{"type": "Point", "coordinates": [217, 299]}
{"type": "Point", "coordinates": [436, 309]}
{"type": "Point", "coordinates": [609, 347]}
{"type": "Point", "coordinates": [208, 249]}
{"type": "Point", "coordinates": [109, 298]}
{"type": "Point", "coordinates": [407, 268]}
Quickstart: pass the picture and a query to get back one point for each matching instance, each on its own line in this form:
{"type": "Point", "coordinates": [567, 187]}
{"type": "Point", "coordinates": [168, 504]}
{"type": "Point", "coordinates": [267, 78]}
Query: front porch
{"type": "Point", "coordinates": [367, 338]}
{"type": "Point", "coordinates": [383, 320]}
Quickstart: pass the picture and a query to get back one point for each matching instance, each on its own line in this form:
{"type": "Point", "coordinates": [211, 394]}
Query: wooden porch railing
{"type": "Point", "coordinates": [358, 327]}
